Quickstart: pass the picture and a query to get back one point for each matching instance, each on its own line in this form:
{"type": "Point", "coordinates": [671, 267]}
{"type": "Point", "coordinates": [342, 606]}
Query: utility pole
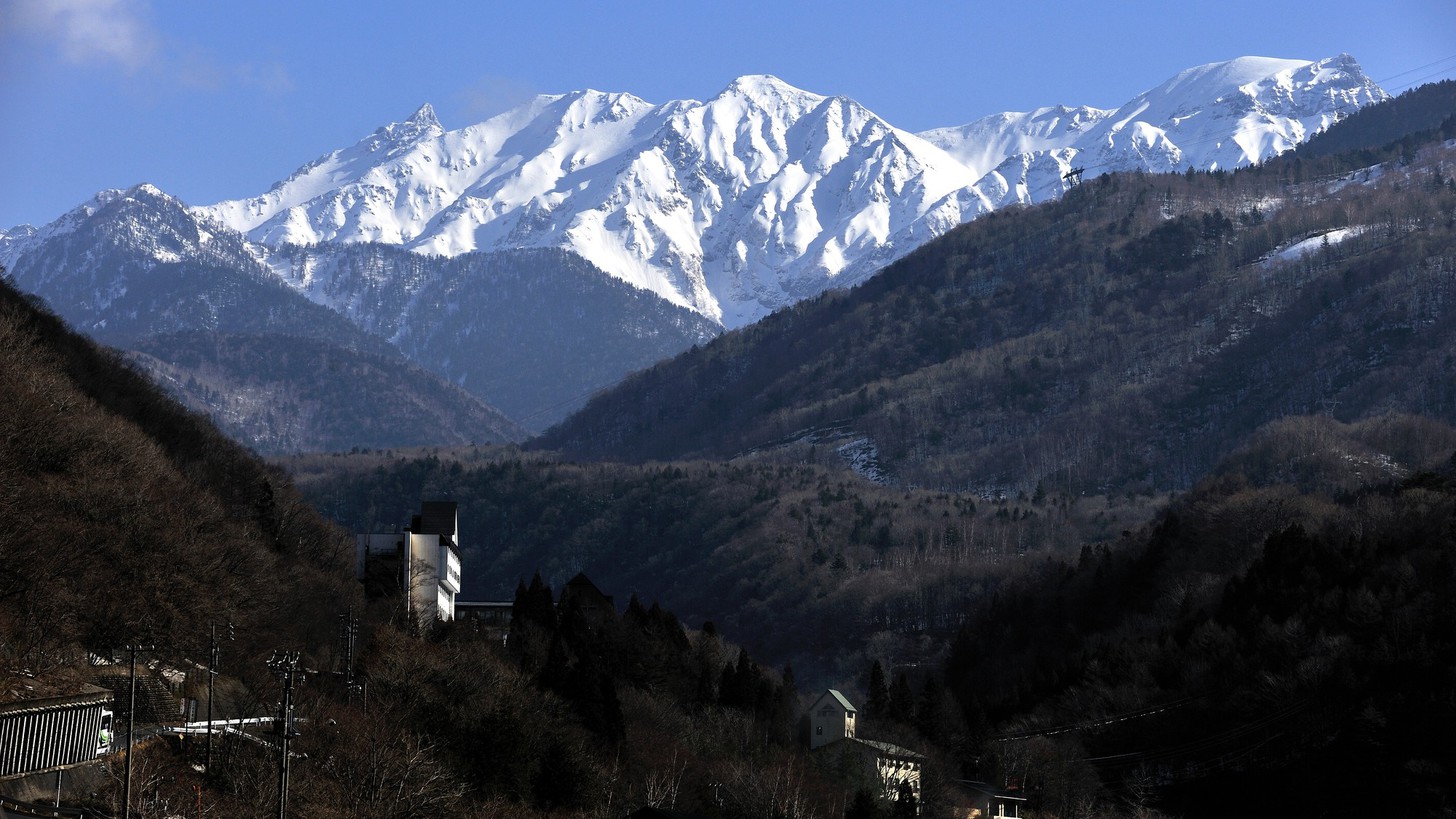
{"type": "Point", "coordinates": [348, 634]}
{"type": "Point", "coordinates": [284, 665]}
{"type": "Point", "coordinates": [212, 654]}
{"type": "Point", "coordinates": [130, 732]}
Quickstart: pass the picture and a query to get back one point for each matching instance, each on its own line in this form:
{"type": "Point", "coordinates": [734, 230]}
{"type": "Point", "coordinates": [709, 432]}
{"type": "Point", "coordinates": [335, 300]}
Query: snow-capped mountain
{"type": "Point", "coordinates": [764, 194]}
{"type": "Point", "coordinates": [750, 201]}
{"type": "Point", "coordinates": [1216, 116]}
{"type": "Point", "coordinates": [447, 246]}
{"type": "Point", "coordinates": [137, 262]}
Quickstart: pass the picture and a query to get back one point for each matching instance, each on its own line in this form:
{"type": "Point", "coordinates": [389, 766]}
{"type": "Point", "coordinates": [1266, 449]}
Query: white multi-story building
{"type": "Point", "coordinates": [423, 561]}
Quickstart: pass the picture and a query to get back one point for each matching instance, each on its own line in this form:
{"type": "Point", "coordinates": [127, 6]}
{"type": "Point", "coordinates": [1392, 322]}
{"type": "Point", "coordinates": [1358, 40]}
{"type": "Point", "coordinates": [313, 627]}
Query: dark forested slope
{"type": "Point", "coordinates": [1285, 626]}
{"type": "Point", "coordinates": [801, 564]}
{"type": "Point", "coordinates": [124, 518]}
{"type": "Point", "coordinates": [282, 393]}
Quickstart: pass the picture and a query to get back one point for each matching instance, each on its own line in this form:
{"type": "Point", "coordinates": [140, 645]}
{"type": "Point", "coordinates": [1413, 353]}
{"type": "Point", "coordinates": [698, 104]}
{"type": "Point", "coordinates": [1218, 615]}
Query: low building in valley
{"type": "Point", "coordinates": [55, 731]}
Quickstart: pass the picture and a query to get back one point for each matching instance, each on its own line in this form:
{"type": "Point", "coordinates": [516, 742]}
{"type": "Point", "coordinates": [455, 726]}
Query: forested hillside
{"type": "Point", "coordinates": [281, 393]}
{"type": "Point", "coordinates": [1281, 620]}
{"type": "Point", "coordinates": [1284, 626]}
{"type": "Point", "coordinates": [805, 564]}
{"type": "Point", "coordinates": [127, 521]}
{"type": "Point", "coordinates": [1123, 338]}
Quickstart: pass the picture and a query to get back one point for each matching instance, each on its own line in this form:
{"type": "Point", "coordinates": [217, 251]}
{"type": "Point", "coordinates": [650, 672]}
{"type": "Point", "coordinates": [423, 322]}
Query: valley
{"type": "Point", "coordinates": [1133, 495]}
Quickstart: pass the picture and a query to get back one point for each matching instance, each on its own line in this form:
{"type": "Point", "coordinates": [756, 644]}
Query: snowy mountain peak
{"type": "Point", "coordinates": [590, 107]}
{"type": "Point", "coordinates": [1213, 80]}
{"type": "Point", "coordinates": [147, 189]}
{"type": "Point", "coordinates": [769, 93]}
{"type": "Point", "coordinates": [422, 124]}
{"type": "Point", "coordinates": [424, 116]}
{"type": "Point", "coordinates": [1216, 116]}
{"type": "Point", "coordinates": [1341, 62]}
{"type": "Point", "coordinates": [20, 239]}
{"type": "Point", "coordinates": [764, 86]}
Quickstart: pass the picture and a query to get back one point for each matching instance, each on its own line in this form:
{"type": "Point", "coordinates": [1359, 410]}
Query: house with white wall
{"type": "Point", "coordinates": [833, 734]}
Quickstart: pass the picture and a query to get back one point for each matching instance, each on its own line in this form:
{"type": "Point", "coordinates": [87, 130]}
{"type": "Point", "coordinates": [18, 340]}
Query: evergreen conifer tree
{"type": "Point", "coordinates": [879, 703]}
{"type": "Point", "coordinates": [902, 701]}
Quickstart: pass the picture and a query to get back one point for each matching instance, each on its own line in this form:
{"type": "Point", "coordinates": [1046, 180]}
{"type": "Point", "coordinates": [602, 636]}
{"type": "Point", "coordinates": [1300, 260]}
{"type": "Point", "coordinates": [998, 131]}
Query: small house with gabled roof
{"type": "Point", "coordinates": [831, 718]}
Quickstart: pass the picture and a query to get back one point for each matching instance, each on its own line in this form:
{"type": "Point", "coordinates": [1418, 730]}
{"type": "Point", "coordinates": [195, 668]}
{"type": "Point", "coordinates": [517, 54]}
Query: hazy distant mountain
{"type": "Point", "coordinates": [533, 332]}
{"type": "Point", "coordinates": [134, 263]}
{"type": "Point", "coordinates": [765, 194]}
{"type": "Point", "coordinates": [283, 394]}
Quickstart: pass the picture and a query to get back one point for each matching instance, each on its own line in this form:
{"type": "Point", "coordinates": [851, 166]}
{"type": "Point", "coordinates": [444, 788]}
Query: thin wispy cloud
{"type": "Point", "coordinates": [490, 95]}
{"type": "Point", "coordinates": [121, 34]}
{"type": "Point", "coordinates": [268, 77]}
{"type": "Point", "coordinates": [86, 32]}
{"type": "Point", "coordinates": [203, 71]}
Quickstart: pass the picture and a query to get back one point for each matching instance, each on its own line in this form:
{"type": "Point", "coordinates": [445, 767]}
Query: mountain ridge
{"type": "Point", "coordinates": [765, 193]}
{"type": "Point", "coordinates": [1015, 349]}
{"type": "Point", "coordinates": [720, 210]}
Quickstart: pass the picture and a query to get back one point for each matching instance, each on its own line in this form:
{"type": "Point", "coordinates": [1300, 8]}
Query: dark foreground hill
{"type": "Point", "coordinates": [1122, 338]}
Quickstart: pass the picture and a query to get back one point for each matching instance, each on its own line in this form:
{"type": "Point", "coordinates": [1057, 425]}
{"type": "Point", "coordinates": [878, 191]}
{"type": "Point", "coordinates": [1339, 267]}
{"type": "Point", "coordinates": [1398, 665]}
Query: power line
{"type": "Point", "coordinates": [1099, 722]}
{"type": "Point", "coordinates": [1196, 747]}
{"type": "Point", "coordinates": [1448, 59]}
{"type": "Point", "coordinates": [589, 394]}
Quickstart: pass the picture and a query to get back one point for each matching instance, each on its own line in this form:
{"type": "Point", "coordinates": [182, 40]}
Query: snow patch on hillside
{"type": "Point", "coordinates": [1315, 243]}
{"type": "Point", "coordinates": [863, 457]}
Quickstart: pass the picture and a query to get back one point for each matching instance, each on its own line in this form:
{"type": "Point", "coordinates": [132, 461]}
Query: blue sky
{"type": "Point", "coordinates": [217, 100]}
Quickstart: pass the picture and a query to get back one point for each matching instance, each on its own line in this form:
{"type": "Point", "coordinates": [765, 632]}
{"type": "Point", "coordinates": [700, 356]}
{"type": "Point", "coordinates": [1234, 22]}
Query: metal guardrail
{"type": "Point", "coordinates": [28, 809]}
